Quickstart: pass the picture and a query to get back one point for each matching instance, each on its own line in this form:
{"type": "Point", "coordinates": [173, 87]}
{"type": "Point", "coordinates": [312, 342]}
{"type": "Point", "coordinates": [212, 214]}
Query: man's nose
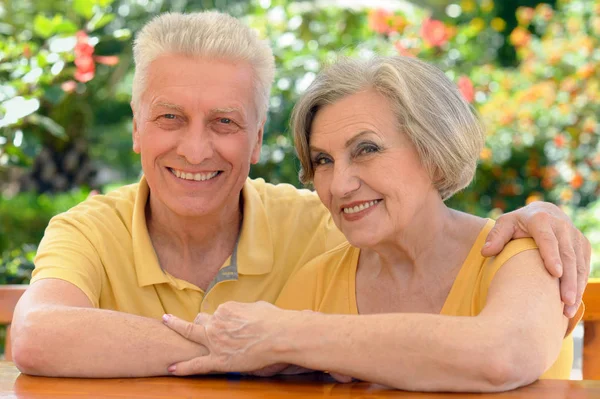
{"type": "Point", "coordinates": [196, 144]}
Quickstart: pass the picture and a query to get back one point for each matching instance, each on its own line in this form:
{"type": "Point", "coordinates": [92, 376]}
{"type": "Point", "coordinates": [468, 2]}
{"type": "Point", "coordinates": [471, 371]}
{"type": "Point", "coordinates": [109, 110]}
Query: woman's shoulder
{"type": "Point", "coordinates": [342, 256]}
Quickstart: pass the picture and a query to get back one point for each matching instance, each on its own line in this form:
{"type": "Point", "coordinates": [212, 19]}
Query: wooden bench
{"type": "Point", "coordinates": [591, 331]}
{"type": "Point", "coordinates": [9, 296]}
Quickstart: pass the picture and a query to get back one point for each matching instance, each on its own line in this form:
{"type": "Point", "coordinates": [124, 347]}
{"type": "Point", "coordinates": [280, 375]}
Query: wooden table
{"type": "Point", "coordinates": [15, 385]}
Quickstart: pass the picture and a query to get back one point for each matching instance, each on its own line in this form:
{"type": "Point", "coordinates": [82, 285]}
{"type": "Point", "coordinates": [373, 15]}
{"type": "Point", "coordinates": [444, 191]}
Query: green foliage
{"type": "Point", "coordinates": [541, 114]}
{"type": "Point", "coordinates": [24, 217]}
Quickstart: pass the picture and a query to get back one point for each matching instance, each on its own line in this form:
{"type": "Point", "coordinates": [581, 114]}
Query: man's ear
{"type": "Point", "coordinates": [255, 157]}
{"type": "Point", "coordinates": [136, 133]}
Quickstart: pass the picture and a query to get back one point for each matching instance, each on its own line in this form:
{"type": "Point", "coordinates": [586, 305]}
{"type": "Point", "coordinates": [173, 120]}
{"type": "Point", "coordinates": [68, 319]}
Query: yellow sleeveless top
{"type": "Point", "coordinates": [328, 284]}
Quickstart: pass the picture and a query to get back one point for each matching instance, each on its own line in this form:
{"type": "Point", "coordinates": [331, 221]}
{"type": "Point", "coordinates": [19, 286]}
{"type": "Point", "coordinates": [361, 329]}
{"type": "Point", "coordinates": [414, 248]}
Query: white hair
{"type": "Point", "coordinates": [203, 34]}
{"type": "Point", "coordinates": [429, 109]}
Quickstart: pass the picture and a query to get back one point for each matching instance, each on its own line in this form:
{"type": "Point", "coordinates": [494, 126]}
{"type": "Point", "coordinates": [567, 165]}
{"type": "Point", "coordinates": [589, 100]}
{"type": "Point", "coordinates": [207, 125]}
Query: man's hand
{"type": "Point", "coordinates": [240, 337]}
{"type": "Point", "coordinates": [564, 249]}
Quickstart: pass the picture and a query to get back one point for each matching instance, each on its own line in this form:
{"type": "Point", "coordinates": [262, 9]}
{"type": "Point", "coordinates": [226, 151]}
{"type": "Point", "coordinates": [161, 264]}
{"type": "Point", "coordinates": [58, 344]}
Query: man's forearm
{"type": "Point", "coordinates": [62, 341]}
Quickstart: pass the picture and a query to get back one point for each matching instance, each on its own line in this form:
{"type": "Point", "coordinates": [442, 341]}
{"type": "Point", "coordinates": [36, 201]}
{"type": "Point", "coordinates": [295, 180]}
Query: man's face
{"type": "Point", "coordinates": [197, 132]}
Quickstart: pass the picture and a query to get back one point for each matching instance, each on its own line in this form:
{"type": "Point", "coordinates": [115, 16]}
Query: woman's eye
{"type": "Point", "coordinates": [321, 161]}
{"type": "Point", "coordinates": [368, 149]}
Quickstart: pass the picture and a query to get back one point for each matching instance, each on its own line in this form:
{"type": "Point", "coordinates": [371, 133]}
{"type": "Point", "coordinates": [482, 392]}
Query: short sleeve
{"type": "Point", "coordinates": [66, 252]}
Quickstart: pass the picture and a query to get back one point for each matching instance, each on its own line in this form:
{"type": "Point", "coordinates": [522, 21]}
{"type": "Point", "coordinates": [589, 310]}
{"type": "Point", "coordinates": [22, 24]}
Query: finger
{"type": "Point", "coordinates": [197, 365]}
{"type": "Point", "coordinates": [344, 379]}
{"type": "Point", "coordinates": [568, 281]}
{"type": "Point", "coordinates": [548, 244]}
{"type": "Point", "coordinates": [201, 318]}
{"type": "Point", "coordinates": [582, 275]}
{"type": "Point", "coordinates": [189, 331]}
{"type": "Point", "coordinates": [497, 238]}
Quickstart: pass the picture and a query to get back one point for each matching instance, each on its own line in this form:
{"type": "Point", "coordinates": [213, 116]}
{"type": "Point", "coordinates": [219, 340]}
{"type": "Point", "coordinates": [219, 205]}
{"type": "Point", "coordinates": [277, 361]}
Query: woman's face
{"type": "Point", "coordinates": [367, 171]}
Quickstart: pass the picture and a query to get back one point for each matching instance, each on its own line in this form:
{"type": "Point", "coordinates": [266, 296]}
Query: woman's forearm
{"type": "Point", "coordinates": [413, 351]}
{"type": "Point", "coordinates": [62, 341]}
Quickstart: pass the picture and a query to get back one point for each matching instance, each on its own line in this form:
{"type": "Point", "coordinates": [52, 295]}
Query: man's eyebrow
{"type": "Point", "coordinates": [226, 110]}
{"type": "Point", "coordinates": [174, 107]}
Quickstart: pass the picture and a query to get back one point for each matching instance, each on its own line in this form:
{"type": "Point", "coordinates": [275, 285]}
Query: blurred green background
{"type": "Point", "coordinates": [531, 69]}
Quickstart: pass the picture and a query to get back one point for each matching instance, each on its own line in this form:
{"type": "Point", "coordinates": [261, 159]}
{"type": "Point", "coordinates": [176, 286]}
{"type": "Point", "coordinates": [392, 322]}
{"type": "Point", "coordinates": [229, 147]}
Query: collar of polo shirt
{"type": "Point", "coordinates": [254, 249]}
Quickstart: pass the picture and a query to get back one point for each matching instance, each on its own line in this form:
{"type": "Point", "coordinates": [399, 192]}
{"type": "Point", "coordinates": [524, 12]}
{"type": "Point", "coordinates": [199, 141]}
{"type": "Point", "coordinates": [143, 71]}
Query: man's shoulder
{"type": "Point", "coordinates": [283, 192]}
{"type": "Point", "coordinates": [111, 209]}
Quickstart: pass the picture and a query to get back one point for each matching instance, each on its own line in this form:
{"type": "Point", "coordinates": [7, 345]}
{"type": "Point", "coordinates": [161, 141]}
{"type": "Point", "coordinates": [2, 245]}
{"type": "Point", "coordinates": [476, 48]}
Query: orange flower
{"type": "Point", "coordinates": [559, 141]}
{"type": "Point", "coordinates": [378, 21]}
{"type": "Point", "coordinates": [590, 125]}
{"type": "Point", "coordinates": [545, 11]}
{"type": "Point", "coordinates": [586, 71]}
{"type": "Point", "coordinates": [520, 37]}
{"type": "Point", "coordinates": [107, 59]}
{"type": "Point", "coordinates": [566, 195]}
{"type": "Point", "coordinates": [466, 88]}
{"type": "Point", "coordinates": [535, 196]}
{"type": "Point", "coordinates": [403, 50]}
{"type": "Point", "coordinates": [397, 23]}
{"type": "Point", "coordinates": [434, 32]}
{"type": "Point", "coordinates": [577, 181]}
{"type": "Point", "coordinates": [525, 15]}
{"type": "Point", "coordinates": [485, 154]}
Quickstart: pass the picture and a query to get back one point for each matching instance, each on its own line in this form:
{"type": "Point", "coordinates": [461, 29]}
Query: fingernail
{"type": "Point", "coordinates": [559, 268]}
{"type": "Point", "coordinates": [166, 318]}
{"type": "Point", "coordinates": [172, 368]}
{"type": "Point", "coordinates": [487, 244]}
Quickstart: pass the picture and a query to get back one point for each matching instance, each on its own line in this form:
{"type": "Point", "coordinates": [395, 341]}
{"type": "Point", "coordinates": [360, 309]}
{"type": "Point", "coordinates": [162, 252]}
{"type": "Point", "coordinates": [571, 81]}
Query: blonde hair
{"type": "Point", "coordinates": [429, 109]}
{"type": "Point", "coordinates": [203, 34]}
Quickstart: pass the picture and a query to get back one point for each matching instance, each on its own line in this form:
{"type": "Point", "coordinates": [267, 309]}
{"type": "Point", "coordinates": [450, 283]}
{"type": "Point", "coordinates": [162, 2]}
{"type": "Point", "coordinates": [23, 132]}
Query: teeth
{"type": "Point", "coordinates": [361, 207]}
{"type": "Point", "coordinates": [192, 176]}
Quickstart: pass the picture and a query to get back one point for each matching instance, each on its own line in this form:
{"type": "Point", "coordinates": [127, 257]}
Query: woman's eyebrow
{"type": "Point", "coordinates": [354, 139]}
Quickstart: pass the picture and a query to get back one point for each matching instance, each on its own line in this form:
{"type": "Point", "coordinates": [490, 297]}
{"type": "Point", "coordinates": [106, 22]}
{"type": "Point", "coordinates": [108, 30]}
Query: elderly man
{"type": "Point", "coordinates": [195, 232]}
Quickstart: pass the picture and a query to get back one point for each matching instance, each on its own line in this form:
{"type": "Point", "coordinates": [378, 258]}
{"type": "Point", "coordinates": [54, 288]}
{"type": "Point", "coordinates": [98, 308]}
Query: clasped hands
{"type": "Point", "coordinates": [250, 338]}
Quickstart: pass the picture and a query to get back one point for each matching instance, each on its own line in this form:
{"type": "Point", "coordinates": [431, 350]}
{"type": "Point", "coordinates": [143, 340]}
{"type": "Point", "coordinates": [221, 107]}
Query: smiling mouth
{"type": "Point", "coordinates": [361, 207]}
{"type": "Point", "coordinates": [195, 176]}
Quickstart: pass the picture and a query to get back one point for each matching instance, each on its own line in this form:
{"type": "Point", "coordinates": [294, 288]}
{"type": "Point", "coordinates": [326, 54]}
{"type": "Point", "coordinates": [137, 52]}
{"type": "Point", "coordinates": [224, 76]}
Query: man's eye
{"type": "Point", "coordinates": [169, 116]}
{"type": "Point", "coordinates": [226, 121]}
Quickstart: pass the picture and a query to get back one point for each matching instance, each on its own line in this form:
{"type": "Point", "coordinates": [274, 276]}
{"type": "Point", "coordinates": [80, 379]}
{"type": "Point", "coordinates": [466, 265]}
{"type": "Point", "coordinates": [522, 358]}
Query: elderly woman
{"type": "Point", "coordinates": [385, 142]}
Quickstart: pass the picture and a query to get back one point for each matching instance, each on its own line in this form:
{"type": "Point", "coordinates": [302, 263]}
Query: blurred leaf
{"type": "Point", "coordinates": [99, 21]}
{"type": "Point", "coordinates": [43, 26]}
{"type": "Point", "coordinates": [85, 8]}
{"type": "Point", "coordinates": [49, 125]}
{"type": "Point", "coordinates": [65, 27]}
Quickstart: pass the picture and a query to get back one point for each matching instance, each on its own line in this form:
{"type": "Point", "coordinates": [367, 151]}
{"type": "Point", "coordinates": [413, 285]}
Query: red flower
{"type": "Point", "coordinates": [107, 59]}
{"type": "Point", "coordinates": [83, 58]}
{"type": "Point", "coordinates": [69, 86]}
{"type": "Point", "coordinates": [559, 141]}
{"type": "Point", "coordinates": [379, 21]}
{"type": "Point", "coordinates": [466, 88]}
{"type": "Point", "coordinates": [403, 50]}
{"type": "Point", "coordinates": [434, 32]}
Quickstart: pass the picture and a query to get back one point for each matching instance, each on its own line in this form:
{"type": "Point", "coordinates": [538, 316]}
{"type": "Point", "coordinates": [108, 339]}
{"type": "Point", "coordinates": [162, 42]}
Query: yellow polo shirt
{"type": "Point", "coordinates": [328, 284]}
{"type": "Point", "coordinates": [102, 246]}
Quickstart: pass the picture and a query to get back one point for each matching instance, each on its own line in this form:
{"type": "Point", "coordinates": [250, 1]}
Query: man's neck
{"type": "Point", "coordinates": [193, 249]}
